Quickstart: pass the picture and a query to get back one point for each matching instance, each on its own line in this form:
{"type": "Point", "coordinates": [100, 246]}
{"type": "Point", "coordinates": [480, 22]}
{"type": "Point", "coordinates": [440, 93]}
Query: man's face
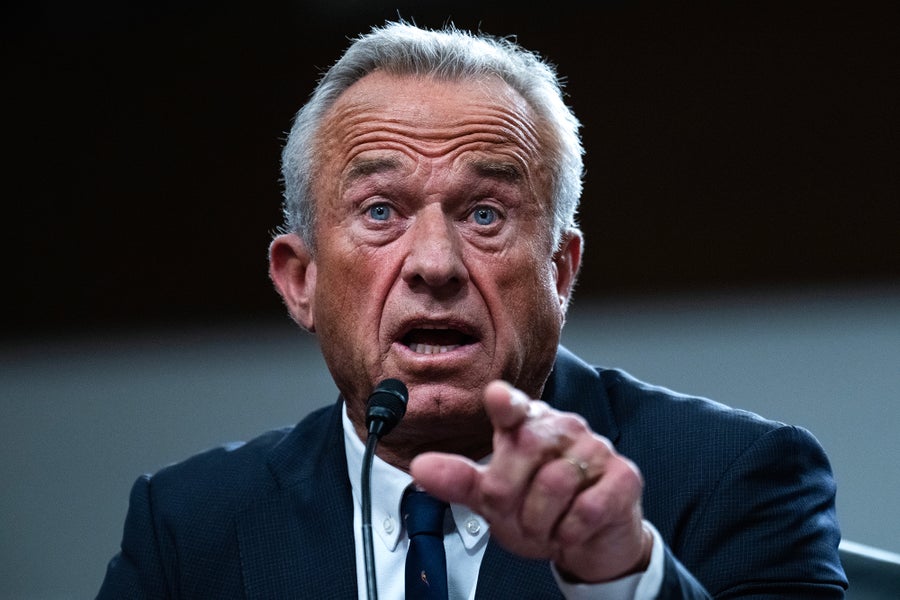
{"type": "Point", "coordinates": [434, 261]}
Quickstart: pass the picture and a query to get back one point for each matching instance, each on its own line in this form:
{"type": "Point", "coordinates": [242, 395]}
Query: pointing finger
{"type": "Point", "coordinates": [506, 406]}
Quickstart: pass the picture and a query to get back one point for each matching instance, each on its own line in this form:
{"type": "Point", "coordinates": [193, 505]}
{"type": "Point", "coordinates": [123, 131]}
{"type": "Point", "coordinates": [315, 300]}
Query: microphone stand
{"type": "Point", "coordinates": [368, 547]}
{"type": "Point", "coordinates": [385, 407]}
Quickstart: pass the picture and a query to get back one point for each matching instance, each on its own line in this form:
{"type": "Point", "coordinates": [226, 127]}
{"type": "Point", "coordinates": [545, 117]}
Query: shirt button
{"type": "Point", "coordinates": [473, 526]}
{"type": "Point", "coordinates": [388, 525]}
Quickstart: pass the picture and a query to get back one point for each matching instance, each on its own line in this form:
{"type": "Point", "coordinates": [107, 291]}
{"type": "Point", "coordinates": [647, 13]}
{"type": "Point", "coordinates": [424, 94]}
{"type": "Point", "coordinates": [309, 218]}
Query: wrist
{"type": "Point", "coordinates": [646, 552]}
{"type": "Point", "coordinates": [640, 564]}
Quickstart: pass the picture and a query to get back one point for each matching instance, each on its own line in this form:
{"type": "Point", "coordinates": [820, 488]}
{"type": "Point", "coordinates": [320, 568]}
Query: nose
{"type": "Point", "coordinates": [434, 253]}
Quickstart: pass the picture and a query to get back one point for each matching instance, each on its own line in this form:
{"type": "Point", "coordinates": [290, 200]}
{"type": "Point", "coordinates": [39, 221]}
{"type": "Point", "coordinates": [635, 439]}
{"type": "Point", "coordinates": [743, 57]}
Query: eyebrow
{"type": "Point", "coordinates": [503, 171]}
{"type": "Point", "coordinates": [371, 166]}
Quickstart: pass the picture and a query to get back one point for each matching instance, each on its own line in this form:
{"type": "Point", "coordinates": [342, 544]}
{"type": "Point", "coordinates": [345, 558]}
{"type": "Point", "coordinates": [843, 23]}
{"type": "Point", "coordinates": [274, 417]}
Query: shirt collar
{"type": "Point", "coordinates": [388, 485]}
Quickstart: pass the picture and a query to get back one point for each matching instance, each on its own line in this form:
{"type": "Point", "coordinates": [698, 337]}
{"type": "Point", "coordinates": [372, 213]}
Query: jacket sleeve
{"type": "Point", "coordinates": [767, 529]}
{"type": "Point", "coordinates": [136, 572]}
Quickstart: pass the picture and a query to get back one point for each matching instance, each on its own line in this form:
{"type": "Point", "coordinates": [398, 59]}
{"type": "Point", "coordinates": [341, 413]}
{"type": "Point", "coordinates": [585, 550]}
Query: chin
{"type": "Point", "coordinates": [444, 401]}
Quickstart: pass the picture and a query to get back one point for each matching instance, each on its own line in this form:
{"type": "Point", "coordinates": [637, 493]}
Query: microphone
{"type": "Point", "coordinates": [386, 406]}
{"type": "Point", "coordinates": [384, 409]}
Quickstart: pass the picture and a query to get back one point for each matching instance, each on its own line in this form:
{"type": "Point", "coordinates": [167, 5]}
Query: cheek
{"type": "Point", "coordinates": [353, 294]}
{"type": "Point", "coordinates": [526, 292]}
{"type": "Point", "coordinates": [334, 293]}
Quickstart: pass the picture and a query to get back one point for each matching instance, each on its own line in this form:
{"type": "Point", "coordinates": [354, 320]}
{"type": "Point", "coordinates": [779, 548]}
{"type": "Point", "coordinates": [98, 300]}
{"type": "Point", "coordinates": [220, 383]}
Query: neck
{"type": "Point", "coordinates": [409, 439]}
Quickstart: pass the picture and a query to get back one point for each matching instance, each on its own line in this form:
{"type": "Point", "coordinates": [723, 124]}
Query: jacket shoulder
{"type": "Point", "coordinates": [631, 412]}
{"type": "Point", "coordinates": [228, 477]}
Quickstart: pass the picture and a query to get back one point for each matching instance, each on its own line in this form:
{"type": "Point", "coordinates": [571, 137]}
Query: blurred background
{"type": "Point", "coordinates": [740, 210]}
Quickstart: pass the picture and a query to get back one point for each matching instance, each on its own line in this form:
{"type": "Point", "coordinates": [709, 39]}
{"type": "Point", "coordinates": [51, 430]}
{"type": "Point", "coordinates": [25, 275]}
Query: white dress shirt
{"type": "Point", "coordinates": [465, 540]}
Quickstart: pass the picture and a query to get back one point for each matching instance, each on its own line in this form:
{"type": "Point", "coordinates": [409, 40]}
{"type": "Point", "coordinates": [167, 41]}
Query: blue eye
{"type": "Point", "coordinates": [484, 215]}
{"type": "Point", "coordinates": [380, 212]}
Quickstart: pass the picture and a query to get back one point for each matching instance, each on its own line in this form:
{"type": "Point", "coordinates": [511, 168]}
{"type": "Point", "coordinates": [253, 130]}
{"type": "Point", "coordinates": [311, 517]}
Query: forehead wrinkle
{"type": "Point", "coordinates": [434, 142]}
{"type": "Point", "coordinates": [362, 119]}
{"type": "Point", "coordinates": [505, 127]}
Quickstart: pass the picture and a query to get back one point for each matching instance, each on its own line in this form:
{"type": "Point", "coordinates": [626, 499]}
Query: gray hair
{"type": "Point", "coordinates": [404, 49]}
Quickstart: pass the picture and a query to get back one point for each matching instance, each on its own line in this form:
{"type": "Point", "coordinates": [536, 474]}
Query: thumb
{"type": "Point", "coordinates": [449, 477]}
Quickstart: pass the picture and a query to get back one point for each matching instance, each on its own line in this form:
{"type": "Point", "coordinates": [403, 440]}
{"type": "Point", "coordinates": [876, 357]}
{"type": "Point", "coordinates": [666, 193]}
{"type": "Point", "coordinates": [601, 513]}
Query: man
{"type": "Point", "coordinates": [431, 185]}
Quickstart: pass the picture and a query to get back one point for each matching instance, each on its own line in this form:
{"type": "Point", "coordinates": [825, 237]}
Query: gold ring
{"type": "Point", "coordinates": [582, 467]}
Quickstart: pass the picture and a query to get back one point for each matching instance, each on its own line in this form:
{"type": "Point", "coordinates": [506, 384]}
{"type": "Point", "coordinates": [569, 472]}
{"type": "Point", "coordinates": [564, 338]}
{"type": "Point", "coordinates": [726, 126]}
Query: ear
{"type": "Point", "coordinates": [567, 260]}
{"type": "Point", "coordinates": [293, 271]}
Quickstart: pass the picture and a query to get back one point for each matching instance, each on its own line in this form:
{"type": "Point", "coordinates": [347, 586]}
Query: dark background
{"type": "Point", "coordinates": [733, 146]}
{"type": "Point", "coordinates": [740, 210]}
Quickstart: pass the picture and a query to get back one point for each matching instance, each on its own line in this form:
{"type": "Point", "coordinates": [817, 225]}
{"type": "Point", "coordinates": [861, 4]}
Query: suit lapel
{"type": "Point", "coordinates": [575, 386]}
{"type": "Point", "coordinates": [298, 541]}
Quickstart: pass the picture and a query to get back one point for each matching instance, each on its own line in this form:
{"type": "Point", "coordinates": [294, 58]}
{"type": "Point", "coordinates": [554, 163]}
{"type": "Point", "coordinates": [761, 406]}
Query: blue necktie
{"type": "Point", "coordinates": [426, 562]}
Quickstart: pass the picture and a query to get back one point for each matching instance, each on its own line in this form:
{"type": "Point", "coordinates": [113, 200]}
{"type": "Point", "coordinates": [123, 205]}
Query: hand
{"type": "Point", "coordinates": [553, 489]}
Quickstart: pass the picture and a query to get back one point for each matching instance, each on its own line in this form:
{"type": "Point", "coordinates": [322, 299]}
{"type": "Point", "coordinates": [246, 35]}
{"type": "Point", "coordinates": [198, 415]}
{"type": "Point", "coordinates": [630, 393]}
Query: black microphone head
{"type": "Point", "coordinates": [386, 406]}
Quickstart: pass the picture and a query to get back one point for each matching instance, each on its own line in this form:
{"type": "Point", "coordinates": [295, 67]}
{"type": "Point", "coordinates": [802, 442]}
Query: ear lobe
{"type": "Point", "coordinates": [293, 271]}
{"type": "Point", "coordinates": [567, 260]}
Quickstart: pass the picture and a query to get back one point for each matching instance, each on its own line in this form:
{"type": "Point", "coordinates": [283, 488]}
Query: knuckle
{"type": "Point", "coordinates": [538, 409]}
{"type": "Point", "coordinates": [604, 447]}
{"type": "Point", "coordinates": [626, 476]}
{"type": "Point", "coordinates": [573, 530]}
{"type": "Point", "coordinates": [591, 509]}
{"type": "Point", "coordinates": [552, 481]}
{"type": "Point", "coordinates": [571, 426]}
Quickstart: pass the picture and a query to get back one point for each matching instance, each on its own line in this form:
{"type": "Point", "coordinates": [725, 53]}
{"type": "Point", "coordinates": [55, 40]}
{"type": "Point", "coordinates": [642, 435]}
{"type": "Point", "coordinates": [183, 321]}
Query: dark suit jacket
{"type": "Point", "coordinates": [745, 506]}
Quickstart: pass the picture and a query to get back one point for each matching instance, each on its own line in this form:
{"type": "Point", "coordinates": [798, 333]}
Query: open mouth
{"type": "Point", "coordinates": [436, 339]}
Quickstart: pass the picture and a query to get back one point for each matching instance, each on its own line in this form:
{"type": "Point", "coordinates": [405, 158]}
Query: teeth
{"type": "Point", "coordinates": [430, 349]}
